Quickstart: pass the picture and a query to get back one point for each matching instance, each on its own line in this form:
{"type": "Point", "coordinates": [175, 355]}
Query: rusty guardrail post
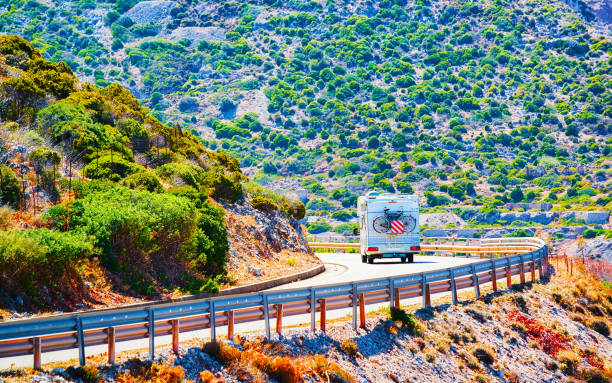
{"type": "Point", "coordinates": [362, 318]}
{"type": "Point", "coordinates": [494, 276]}
{"type": "Point", "coordinates": [508, 274]}
{"type": "Point", "coordinates": [175, 335]}
{"type": "Point", "coordinates": [110, 339]}
{"type": "Point", "coordinates": [323, 314]}
{"type": "Point", "coordinates": [230, 325]}
{"type": "Point", "coordinates": [279, 318]}
{"type": "Point", "coordinates": [522, 270]}
{"type": "Point", "coordinates": [37, 351]}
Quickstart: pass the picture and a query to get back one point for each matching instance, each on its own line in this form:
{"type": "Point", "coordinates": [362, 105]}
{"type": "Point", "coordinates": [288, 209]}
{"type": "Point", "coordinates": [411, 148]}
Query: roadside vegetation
{"type": "Point", "coordinates": [89, 177]}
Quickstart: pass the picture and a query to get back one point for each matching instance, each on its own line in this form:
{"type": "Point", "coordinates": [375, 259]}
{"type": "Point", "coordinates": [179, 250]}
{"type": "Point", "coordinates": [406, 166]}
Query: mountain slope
{"type": "Point", "coordinates": [462, 102]}
{"type": "Point", "coordinates": [102, 202]}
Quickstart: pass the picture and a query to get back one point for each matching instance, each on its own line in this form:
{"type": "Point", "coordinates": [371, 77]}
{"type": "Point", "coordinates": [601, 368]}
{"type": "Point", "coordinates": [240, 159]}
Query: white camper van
{"type": "Point", "coordinates": [388, 226]}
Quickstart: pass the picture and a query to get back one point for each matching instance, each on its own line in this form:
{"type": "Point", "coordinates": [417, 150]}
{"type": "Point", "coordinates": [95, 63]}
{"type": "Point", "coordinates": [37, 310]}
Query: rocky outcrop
{"type": "Point", "coordinates": [598, 249]}
{"type": "Point", "coordinates": [265, 245]}
{"type": "Point", "coordinates": [440, 220]}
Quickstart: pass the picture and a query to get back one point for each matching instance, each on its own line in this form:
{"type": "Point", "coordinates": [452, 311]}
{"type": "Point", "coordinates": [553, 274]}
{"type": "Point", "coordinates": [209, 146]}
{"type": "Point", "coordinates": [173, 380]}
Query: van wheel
{"type": "Point", "coordinates": [410, 258]}
{"type": "Point", "coordinates": [370, 259]}
{"type": "Point", "coordinates": [403, 259]}
{"type": "Point", "coordinates": [364, 259]}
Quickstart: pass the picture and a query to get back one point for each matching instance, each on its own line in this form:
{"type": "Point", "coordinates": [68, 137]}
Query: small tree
{"type": "Point", "coordinates": [517, 195]}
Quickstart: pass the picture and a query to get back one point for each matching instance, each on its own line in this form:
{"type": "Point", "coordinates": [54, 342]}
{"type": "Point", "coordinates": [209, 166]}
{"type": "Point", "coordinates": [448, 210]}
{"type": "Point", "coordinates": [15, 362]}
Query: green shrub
{"type": "Point", "coordinates": [407, 320]}
{"type": "Point", "coordinates": [175, 172]}
{"type": "Point", "coordinates": [131, 225]}
{"type": "Point", "coordinates": [10, 187]}
{"type": "Point", "coordinates": [112, 167]}
{"type": "Point", "coordinates": [144, 180]}
{"type": "Point", "coordinates": [264, 204]}
{"type": "Point", "coordinates": [40, 257]}
{"type": "Point", "coordinates": [221, 185]}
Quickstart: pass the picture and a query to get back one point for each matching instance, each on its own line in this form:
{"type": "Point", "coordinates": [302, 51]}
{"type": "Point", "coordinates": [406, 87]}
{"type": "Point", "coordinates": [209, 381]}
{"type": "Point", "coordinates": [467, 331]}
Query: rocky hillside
{"type": "Point", "coordinates": [103, 204]}
{"type": "Point", "coordinates": [554, 331]}
{"type": "Point", "coordinates": [476, 103]}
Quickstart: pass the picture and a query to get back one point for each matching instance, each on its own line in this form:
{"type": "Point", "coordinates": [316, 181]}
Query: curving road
{"type": "Point", "coordinates": [340, 267]}
{"type": "Point", "coordinates": [347, 267]}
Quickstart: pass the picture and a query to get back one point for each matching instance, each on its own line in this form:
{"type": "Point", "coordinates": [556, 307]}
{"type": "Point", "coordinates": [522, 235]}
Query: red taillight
{"type": "Point", "coordinates": [372, 248]}
{"type": "Point", "coordinates": [415, 248]}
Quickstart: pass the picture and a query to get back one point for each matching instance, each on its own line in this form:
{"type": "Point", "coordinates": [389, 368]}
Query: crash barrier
{"type": "Point", "coordinates": [481, 247]}
{"type": "Point", "coordinates": [109, 326]}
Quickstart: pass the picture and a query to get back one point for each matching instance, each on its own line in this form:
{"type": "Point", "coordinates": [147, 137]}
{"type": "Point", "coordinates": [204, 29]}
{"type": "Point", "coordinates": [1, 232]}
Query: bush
{"type": "Point", "coordinates": [40, 257]}
{"type": "Point", "coordinates": [599, 325]}
{"type": "Point", "coordinates": [407, 320]}
{"type": "Point", "coordinates": [222, 352]}
{"type": "Point", "coordinates": [132, 226]}
{"type": "Point", "coordinates": [568, 362]}
{"type": "Point", "coordinates": [10, 187]}
{"type": "Point", "coordinates": [6, 217]}
{"type": "Point", "coordinates": [263, 204]}
{"type": "Point", "coordinates": [222, 186]}
{"type": "Point", "coordinates": [112, 167]}
{"type": "Point", "coordinates": [483, 353]}
{"type": "Point", "coordinates": [145, 180]}
{"type": "Point", "coordinates": [350, 348]}
{"type": "Point", "coordinates": [177, 173]}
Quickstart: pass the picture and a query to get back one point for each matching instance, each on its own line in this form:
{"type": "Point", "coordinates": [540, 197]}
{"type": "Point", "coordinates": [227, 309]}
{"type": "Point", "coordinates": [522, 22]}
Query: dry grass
{"type": "Point", "coordinates": [350, 348]}
{"type": "Point", "coordinates": [255, 364]}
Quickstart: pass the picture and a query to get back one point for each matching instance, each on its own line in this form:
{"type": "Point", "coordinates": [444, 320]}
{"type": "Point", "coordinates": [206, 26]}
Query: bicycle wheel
{"type": "Point", "coordinates": [381, 225]}
{"type": "Point", "coordinates": [409, 223]}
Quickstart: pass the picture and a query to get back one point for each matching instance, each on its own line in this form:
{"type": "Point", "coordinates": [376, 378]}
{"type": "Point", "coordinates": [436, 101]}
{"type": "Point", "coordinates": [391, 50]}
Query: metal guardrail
{"type": "Point", "coordinates": [108, 326]}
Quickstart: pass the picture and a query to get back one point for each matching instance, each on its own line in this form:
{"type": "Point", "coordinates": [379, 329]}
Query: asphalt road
{"type": "Point", "coordinates": [340, 267]}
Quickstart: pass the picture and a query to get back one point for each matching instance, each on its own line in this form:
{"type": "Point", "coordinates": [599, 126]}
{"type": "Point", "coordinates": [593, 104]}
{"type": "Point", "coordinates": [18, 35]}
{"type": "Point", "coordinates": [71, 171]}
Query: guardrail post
{"type": "Point", "coordinates": [230, 325]}
{"type": "Point", "coordinates": [80, 340]}
{"type": "Point", "coordinates": [476, 283]}
{"type": "Point", "coordinates": [323, 314]}
{"type": "Point", "coordinates": [540, 271]}
{"type": "Point", "coordinates": [424, 288]}
{"type": "Point", "coordinates": [37, 351]}
{"type": "Point", "coordinates": [266, 315]}
{"type": "Point", "coordinates": [493, 276]}
{"type": "Point", "coordinates": [110, 339]}
{"type": "Point", "coordinates": [151, 333]}
{"type": "Point", "coordinates": [427, 295]}
{"type": "Point", "coordinates": [213, 322]}
{"type": "Point", "coordinates": [392, 294]}
{"type": "Point", "coordinates": [279, 318]}
{"type": "Point", "coordinates": [313, 310]}
{"type": "Point", "coordinates": [175, 335]}
{"type": "Point", "coordinates": [362, 318]}
{"type": "Point", "coordinates": [396, 297]}
{"type": "Point", "coordinates": [354, 296]}
{"type": "Point", "coordinates": [508, 274]}
{"type": "Point", "coordinates": [453, 286]}
{"type": "Point", "coordinates": [522, 270]}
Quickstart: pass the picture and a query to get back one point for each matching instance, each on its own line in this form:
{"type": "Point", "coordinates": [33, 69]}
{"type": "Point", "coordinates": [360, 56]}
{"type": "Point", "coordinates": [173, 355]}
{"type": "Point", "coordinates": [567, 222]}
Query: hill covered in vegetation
{"type": "Point", "coordinates": [99, 197]}
{"type": "Point", "coordinates": [469, 103]}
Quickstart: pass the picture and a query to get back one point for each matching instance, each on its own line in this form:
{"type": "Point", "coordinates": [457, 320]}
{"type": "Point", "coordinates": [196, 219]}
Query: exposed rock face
{"type": "Point", "coordinates": [265, 245]}
{"type": "Point", "coordinates": [598, 248]}
{"type": "Point", "coordinates": [545, 206]}
{"type": "Point", "coordinates": [441, 220]}
{"type": "Point", "coordinates": [151, 12]}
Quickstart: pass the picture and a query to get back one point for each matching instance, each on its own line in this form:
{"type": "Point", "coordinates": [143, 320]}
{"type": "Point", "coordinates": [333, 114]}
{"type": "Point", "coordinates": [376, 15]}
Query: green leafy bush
{"type": "Point", "coordinates": [40, 257]}
{"type": "Point", "coordinates": [10, 187]}
{"type": "Point", "coordinates": [144, 180]}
